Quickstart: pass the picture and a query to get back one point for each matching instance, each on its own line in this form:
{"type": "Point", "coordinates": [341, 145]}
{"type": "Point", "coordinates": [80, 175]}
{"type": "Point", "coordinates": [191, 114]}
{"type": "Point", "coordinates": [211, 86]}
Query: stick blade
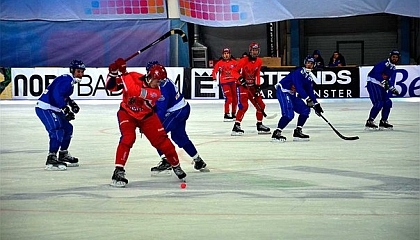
{"type": "Point", "coordinates": [351, 138]}
{"type": "Point", "coordinates": [180, 33]}
{"type": "Point", "coordinates": [271, 116]}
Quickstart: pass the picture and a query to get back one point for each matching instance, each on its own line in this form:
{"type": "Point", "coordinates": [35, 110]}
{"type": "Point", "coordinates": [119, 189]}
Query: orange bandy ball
{"type": "Point", "coordinates": [183, 185]}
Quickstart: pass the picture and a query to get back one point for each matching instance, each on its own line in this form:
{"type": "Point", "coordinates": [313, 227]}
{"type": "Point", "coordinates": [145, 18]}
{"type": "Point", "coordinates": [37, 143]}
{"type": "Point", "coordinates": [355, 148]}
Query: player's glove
{"type": "Point", "coordinates": [318, 109]}
{"type": "Point", "coordinates": [394, 91]}
{"type": "Point", "coordinates": [74, 107]}
{"type": "Point", "coordinates": [385, 84]}
{"type": "Point", "coordinates": [242, 81]}
{"type": "Point", "coordinates": [122, 65]}
{"type": "Point", "coordinates": [309, 102]}
{"type": "Point", "coordinates": [113, 70]}
{"type": "Point", "coordinates": [257, 91]}
{"type": "Point", "coordinates": [69, 115]}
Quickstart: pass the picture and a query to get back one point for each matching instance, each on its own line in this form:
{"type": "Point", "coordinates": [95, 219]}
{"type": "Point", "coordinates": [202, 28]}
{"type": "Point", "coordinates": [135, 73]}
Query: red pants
{"type": "Point", "coordinates": [231, 98]}
{"type": "Point", "coordinates": [245, 94]}
{"type": "Point", "coordinates": [151, 128]}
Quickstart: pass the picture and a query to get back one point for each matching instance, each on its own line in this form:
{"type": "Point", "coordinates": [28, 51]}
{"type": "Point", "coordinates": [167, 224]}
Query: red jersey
{"type": "Point", "coordinates": [250, 70]}
{"type": "Point", "coordinates": [138, 98]}
{"type": "Point", "coordinates": [225, 68]}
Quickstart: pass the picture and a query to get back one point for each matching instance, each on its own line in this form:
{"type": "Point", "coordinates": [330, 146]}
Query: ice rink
{"type": "Point", "coordinates": [326, 188]}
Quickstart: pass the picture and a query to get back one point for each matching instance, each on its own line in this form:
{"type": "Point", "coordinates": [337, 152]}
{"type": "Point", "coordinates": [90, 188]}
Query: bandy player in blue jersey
{"type": "Point", "coordinates": [173, 112]}
{"type": "Point", "coordinates": [380, 85]}
{"type": "Point", "coordinates": [56, 109]}
{"type": "Point", "coordinates": [295, 94]}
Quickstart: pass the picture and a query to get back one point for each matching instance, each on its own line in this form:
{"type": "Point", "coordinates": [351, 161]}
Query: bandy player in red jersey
{"type": "Point", "coordinates": [249, 88]}
{"type": "Point", "coordinates": [224, 68]}
{"type": "Point", "coordinates": [140, 94]}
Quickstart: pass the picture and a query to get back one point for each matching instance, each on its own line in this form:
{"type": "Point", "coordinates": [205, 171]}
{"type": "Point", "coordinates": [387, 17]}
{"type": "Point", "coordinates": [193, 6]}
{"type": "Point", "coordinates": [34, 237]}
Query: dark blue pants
{"type": "Point", "coordinates": [289, 104]}
{"type": "Point", "coordinates": [175, 124]}
{"type": "Point", "coordinates": [60, 130]}
{"type": "Point", "coordinates": [380, 100]}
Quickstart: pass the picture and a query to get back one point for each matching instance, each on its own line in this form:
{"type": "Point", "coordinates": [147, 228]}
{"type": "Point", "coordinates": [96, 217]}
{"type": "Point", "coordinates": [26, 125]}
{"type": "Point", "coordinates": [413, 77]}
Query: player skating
{"type": "Point", "coordinates": [295, 94]}
{"type": "Point", "coordinates": [140, 94]}
{"type": "Point", "coordinates": [380, 85]}
{"type": "Point", "coordinates": [173, 112]}
{"type": "Point", "coordinates": [224, 68]}
{"type": "Point", "coordinates": [56, 109]}
{"type": "Point", "coordinates": [248, 74]}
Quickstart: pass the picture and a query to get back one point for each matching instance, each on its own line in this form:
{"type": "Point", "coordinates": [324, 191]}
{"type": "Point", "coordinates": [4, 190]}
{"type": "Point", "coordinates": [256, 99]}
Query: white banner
{"type": "Point", "coordinates": [76, 10]}
{"type": "Point", "coordinates": [202, 84]}
{"type": "Point", "coordinates": [407, 80]}
{"type": "Point", "coordinates": [29, 83]}
{"type": "Point", "coordinates": [233, 13]}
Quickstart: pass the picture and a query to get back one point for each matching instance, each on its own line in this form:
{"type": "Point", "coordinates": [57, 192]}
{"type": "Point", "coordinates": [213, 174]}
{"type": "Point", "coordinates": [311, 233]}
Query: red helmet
{"type": "Point", "coordinates": [226, 50]}
{"type": "Point", "coordinates": [158, 72]}
{"type": "Point", "coordinates": [254, 45]}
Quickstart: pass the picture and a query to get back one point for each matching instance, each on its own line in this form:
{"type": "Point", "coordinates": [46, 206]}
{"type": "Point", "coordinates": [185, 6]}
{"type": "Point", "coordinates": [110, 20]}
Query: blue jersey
{"type": "Point", "coordinates": [57, 94]}
{"type": "Point", "coordinates": [384, 70]}
{"type": "Point", "coordinates": [298, 82]}
{"type": "Point", "coordinates": [171, 99]}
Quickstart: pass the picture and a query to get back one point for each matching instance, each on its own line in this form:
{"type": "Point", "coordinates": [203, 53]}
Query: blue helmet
{"type": "Point", "coordinates": [77, 64]}
{"type": "Point", "coordinates": [394, 52]}
{"type": "Point", "coordinates": [309, 58]}
{"type": "Point", "coordinates": [150, 64]}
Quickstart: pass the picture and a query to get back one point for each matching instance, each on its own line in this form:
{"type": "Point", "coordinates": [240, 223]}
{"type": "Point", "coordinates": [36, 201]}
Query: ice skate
{"type": "Point", "coordinates": [118, 178]}
{"type": "Point", "coordinates": [262, 129]}
{"type": "Point", "coordinates": [384, 125]}
{"type": "Point", "coordinates": [227, 118]}
{"type": "Point", "coordinates": [277, 137]}
{"type": "Point", "coordinates": [64, 156]}
{"type": "Point", "coordinates": [233, 116]}
{"type": "Point", "coordinates": [200, 165]}
{"type": "Point", "coordinates": [370, 125]}
{"type": "Point", "coordinates": [237, 131]}
{"type": "Point", "coordinates": [163, 168]}
{"type": "Point", "coordinates": [179, 172]}
{"type": "Point", "coordinates": [298, 135]}
{"type": "Point", "coordinates": [53, 164]}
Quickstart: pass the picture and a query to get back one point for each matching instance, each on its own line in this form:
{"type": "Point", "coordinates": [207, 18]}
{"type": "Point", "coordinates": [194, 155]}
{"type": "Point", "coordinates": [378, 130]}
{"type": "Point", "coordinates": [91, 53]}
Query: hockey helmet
{"type": "Point", "coordinates": [252, 46]}
{"type": "Point", "coordinates": [395, 52]}
{"type": "Point", "coordinates": [156, 72]}
{"type": "Point", "coordinates": [309, 58]}
{"type": "Point", "coordinates": [150, 64]}
{"type": "Point", "coordinates": [76, 64]}
{"type": "Point", "coordinates": [226, 50]}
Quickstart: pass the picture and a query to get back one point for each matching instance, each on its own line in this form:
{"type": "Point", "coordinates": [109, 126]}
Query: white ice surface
{"type": "Point", "coordinates": [326, 188]}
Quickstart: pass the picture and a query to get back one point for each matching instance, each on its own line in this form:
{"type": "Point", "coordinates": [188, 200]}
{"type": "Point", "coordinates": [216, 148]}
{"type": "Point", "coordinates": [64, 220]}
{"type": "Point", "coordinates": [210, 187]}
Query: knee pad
{"type": "Point", "coordinates": [166, 147]}
{"type": "Point", "coordinates": [181, 141]}
{"type": "Point", "coordinates": [57, 134]}
{"type": "Point", "coordinates": [388, 104]}
{"type": "Point", "coordinates": [378, 105]}
{"type": "Point", "coordinates": [128, 140]}
{"type": "Point", "coordinates": [68, 132]}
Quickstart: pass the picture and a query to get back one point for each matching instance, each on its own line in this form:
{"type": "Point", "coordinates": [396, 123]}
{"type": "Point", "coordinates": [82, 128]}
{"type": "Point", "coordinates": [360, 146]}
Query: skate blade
{"type": "Point", "coordinates": [72, 164]}
{"type": "Point", "coordinates": [227, 120]}
{"type": "Point", "coordinates": [204, 170]}
{"type": "Point", "coordinates": [385, 129]}
{"type": "Point", "coordinates": [371, 129]}
{"type": "Point", "coordinates": [51, 167]}
{"type": "Point", "coordinates": [163, 173]}
{"type": "Point", "coordinates": [237, 134]}
{"type": "Point", "coordinates": [297, 139]}
{"type": "Point", "coordinates": [118, 184]}
{"type": "Point", "coordinates": [263, 132]}
{"type": "Point", "coordinates": [275, 140]}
